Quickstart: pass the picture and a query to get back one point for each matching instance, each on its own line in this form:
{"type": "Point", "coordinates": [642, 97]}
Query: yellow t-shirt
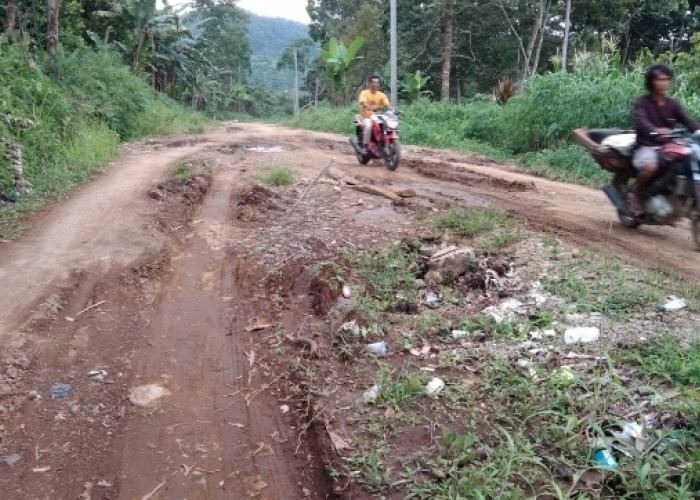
{"type": "Point", "coordinates": [375, 100]}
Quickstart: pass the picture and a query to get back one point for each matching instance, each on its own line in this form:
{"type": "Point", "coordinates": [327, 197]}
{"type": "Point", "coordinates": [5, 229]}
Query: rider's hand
{"type": "Point", "coordinates": [663, 131]}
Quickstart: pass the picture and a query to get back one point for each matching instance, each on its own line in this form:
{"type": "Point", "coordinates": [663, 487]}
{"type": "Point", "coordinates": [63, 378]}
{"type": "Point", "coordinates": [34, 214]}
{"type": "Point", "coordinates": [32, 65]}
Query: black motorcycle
{"type": "Point", "coordinates": [672, 194]}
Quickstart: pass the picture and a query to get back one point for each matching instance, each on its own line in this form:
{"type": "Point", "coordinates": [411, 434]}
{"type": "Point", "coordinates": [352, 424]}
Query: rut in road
{"type": "Point", "coordinates": [216, 436]}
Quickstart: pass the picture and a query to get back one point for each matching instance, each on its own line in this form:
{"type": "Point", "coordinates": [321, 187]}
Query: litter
{"type": "Point", "coordinates": [459, 334]}
{"type": "Point", "coordinates": [434, 386]}
{"type": "Point", "coordinates": [378, 348]}
{"type": "Point", "coordinates": [60, 391]}
{"type": "Point", "coordinates": [98, 375]}
{"type": "Point", "coordinates": [582, 334]}
{"type": "Point", "coordinates": [672, 305]}
{"type": "Point", "coordinates": [371, 394]}
{"type": "Point", "coordinates": [146, 395]}
{"type": "Point", "coordinates": [12, 459]}
{"type": "Point", "coordinates": [605, 458]}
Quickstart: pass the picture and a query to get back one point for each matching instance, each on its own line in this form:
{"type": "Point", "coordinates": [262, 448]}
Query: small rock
{"type": "Point", "coordinates": [147, 395]}
{"type": "Point", "coordinates": [156, 194]}
{"type": "Point", "coordinates": [12, 459]}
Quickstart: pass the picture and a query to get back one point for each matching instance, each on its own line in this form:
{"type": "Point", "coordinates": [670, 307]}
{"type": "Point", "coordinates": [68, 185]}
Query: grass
{"type": "Point", "coordinates": [607, 286]}
{"type": "Point", "coordinates": [278, 176]}
{"type": "Point", "coordinates": [470, 222]}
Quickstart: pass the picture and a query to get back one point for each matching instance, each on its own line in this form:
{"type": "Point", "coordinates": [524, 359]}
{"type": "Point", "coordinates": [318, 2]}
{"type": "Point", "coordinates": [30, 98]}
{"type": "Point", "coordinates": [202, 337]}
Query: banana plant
{"type": "Point", "coordinates": [338, 60]}
{"type": "Point", "coordinates": [413, 86]}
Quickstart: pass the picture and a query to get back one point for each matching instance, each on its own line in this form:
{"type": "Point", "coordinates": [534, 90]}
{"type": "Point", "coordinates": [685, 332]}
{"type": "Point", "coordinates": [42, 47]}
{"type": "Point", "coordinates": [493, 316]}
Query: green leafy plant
{"type": "Point", "coordinates": [279, 176]}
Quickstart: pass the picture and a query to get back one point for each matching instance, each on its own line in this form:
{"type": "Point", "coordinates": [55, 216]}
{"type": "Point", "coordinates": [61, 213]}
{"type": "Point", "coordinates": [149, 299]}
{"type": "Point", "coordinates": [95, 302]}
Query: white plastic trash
{"type": "Point", "coordinates": [672, 305]}
{"type": "Point", "coordinates": [378, 348]}
{"type": "Point", "coordinates": [371, 394]}
{"type": "Point", "coordinates": [582, 334]}
{"type": "Point", "coordinates": [434, 386]}
{"type": "Point", "coordinates": [459, 334]}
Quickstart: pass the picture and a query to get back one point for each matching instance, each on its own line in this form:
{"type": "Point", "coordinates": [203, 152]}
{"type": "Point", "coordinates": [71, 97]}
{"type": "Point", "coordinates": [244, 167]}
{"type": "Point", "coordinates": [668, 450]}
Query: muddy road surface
{"type": "Point", "coordinates": [138, 319]}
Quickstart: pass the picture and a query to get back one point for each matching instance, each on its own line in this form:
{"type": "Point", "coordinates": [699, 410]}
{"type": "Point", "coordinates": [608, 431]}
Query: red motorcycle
{"type": "Point", "coordinates": [384, 143]}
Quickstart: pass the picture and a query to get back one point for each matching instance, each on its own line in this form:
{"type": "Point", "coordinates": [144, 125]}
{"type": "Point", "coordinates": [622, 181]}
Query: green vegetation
{"type": "Point", "coordinates": [78, 120]}
{"type": "Point", "coordinates": [472, 221]}
{"type": "Point", "coordinates": [278, 176]}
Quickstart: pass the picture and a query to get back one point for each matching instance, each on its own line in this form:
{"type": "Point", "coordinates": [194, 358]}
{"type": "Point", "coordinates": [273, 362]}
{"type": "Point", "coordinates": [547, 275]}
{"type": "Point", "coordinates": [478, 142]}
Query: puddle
{"type": "Point", "coordinates": [266, 149]}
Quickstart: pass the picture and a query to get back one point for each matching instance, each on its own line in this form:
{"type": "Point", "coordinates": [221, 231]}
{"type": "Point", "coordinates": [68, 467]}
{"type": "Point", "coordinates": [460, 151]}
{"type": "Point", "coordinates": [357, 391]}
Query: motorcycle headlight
{"type": "Point", "coordinates": [392, 123]}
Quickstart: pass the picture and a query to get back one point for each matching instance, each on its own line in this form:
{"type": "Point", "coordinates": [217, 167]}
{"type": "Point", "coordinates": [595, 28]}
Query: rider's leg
{"type": "Point", "coordinates": [646, 161]}
{"type": "Point", "coordinates": [366, 133]}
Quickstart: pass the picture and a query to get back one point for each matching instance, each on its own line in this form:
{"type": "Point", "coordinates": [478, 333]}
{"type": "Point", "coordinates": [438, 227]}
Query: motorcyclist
{"type": "Point", "coordinates": [655, 115]}
{"type": "Point", "coordinates": [371, 100]}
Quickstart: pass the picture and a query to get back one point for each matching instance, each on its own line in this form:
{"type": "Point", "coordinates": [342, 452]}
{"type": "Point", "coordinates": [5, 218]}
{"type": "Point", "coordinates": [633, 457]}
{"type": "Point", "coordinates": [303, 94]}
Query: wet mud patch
{"type": "Point", "coordinates": [230, 149]}
{"type": "Point", "coordinates": [253, 201]}
{"type": "Point", "coordinates": [268, 147]}
{"type": "Point", "coordinates": [329, 145]}
{"type": "Point", "coordinates": [447, 172]}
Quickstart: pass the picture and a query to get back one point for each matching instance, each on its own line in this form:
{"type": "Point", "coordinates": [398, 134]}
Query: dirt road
{"type": "Point", "coordinates": [174, 292]}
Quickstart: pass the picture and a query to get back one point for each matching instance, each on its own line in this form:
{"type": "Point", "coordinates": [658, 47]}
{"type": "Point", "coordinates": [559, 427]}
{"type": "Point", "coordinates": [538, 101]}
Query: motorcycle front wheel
{"type": "Point", "coordinates": [392, 155]}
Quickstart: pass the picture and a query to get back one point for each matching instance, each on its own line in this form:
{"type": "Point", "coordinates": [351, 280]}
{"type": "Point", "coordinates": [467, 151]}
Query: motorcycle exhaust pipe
{"type": "Point", "coordinates": [615, 197]}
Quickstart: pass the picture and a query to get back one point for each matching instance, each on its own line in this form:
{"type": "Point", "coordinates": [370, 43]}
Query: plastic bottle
{"type": "Point", "coordinates": [673, 305]}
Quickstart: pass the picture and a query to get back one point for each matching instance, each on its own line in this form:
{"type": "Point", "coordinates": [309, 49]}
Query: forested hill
{"type": "Point", "coordinates": [268, 38]}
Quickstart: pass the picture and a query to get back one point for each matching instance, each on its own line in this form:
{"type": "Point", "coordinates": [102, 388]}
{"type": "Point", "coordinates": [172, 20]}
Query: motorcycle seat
{"type": "Point", "coordinates": [622, 143]}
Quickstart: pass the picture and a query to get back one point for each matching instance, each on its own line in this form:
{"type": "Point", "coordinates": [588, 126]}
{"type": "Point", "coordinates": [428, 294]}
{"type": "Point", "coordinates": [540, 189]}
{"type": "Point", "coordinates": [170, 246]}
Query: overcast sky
{"type": "Point", "coordinates": [288, 9]}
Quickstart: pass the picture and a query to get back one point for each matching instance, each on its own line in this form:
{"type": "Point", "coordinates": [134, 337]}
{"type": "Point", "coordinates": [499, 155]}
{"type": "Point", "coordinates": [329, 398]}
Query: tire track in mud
{"type": "Point", "coordinates": [216, 436]}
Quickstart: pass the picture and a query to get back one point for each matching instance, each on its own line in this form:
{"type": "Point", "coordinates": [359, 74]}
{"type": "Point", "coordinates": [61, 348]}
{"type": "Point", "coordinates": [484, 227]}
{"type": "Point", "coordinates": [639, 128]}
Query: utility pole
{"type": "Point", "coordinates": [296, 84]}
{"type": "Point", "coordinates": [394, 93]}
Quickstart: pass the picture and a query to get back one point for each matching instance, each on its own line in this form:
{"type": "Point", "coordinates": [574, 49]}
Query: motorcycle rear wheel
{"type": "Point", "coordinates": [627, 220]}
{"type": "Point", "coordinates": [392, 155]}
{"type": "Point", "coordinates": [363, 159]}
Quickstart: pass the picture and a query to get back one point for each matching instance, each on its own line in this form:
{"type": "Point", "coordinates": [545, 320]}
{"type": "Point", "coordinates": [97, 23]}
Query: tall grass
{"type": "Point", "coordinates": [80, 115]}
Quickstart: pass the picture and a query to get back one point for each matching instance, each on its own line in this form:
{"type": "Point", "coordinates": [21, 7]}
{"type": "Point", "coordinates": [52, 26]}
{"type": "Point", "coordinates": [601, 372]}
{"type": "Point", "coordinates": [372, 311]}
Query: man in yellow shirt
{"type": "Point", "coordinates": [371, 99]}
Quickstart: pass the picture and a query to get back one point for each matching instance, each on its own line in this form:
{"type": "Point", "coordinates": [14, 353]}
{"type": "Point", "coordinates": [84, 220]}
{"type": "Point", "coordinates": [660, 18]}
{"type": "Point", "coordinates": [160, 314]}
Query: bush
{"type": "Point", "coordinates": [553, 105]}
{"type": "Point", "coordinates": [79, 119]}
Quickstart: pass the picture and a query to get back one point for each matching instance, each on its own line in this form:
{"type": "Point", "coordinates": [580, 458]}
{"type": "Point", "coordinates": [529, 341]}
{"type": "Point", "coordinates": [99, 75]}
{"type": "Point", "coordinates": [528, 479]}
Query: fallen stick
{"type": "Point", "coordinates": [312, 184]}
{"type": "Point", "coordinates": [90, 307]}
{"type": "Point", "coordinates": [155, 490]}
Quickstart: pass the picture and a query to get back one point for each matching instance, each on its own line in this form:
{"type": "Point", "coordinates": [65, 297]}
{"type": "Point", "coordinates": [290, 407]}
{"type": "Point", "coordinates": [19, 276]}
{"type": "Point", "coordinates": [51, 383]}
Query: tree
{"type": "Point", "coordinates": [565, 41]}
{"type": "Point", "coordinates": [11, 13]}
{"type": "Point", "coordinates": [53, 7]}
{"type": "Point", "coordinates": [448, 26]}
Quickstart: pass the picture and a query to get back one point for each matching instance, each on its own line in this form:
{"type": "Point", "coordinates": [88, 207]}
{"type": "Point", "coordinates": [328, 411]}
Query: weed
{"type": "Point", "coordinates": [387, 272]}
{"type": "Point", "coordinates": [54, 303]}
{"type": "Point", "coordinates": [505, 238]}
{"type": "Point", "coordinates": [183, 172]}
{"type": "Point", "coordinates": [605, 286]}
{"type": "Point", "coordinates": [472, 221]}
{"type": "Point", "coordinates": [278, 176]}
{"type": "Point", "coordinates": [398, 389]}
